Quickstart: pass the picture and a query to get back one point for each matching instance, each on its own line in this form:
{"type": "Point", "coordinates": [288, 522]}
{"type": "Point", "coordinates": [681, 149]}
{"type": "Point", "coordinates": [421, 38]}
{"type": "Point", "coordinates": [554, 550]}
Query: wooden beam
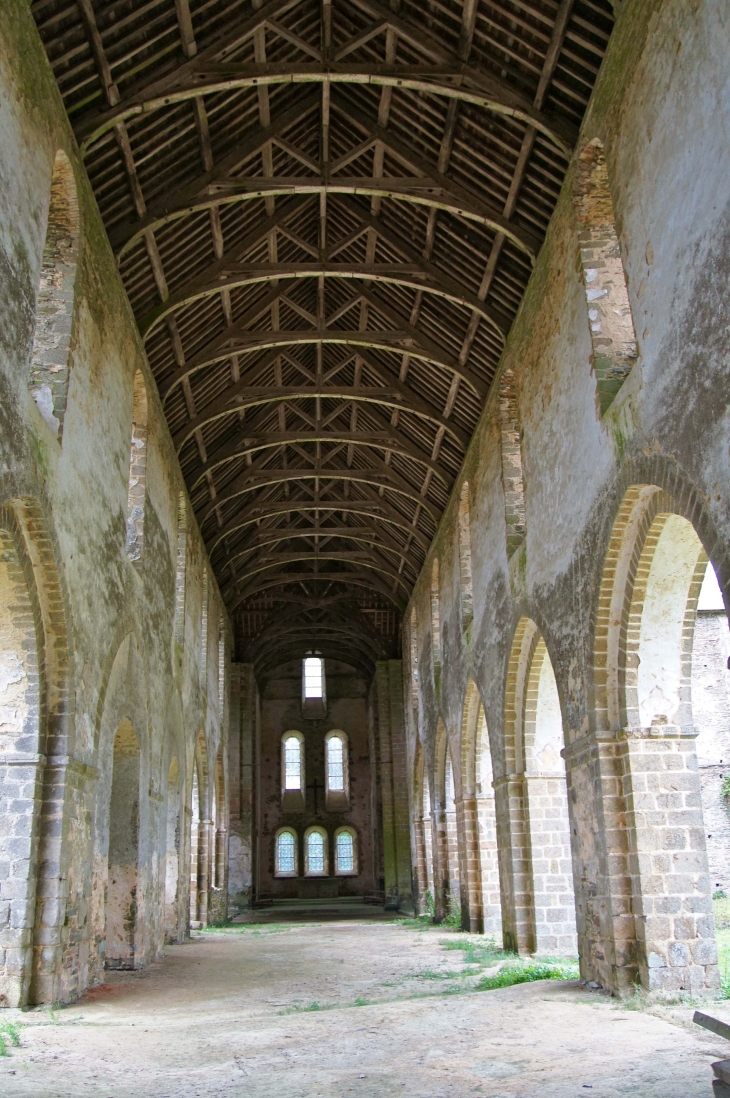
{"type": "Point", "coordinates": [200, 78]}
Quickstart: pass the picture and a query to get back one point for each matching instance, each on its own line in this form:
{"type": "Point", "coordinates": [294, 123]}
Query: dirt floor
{"type": "Point", "coordinates": [357, 1005]}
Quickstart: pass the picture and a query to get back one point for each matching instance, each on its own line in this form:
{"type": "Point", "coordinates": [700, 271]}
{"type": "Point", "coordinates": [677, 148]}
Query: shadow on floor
{"type": "Point", "coordinates": [316, 911]}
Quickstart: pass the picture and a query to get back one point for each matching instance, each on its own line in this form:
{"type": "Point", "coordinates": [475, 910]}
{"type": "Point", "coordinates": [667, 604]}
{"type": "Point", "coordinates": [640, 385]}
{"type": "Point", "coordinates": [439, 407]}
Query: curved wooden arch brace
{"type": "Point", "coordinates": [389, 397]}
{"type": "Point", "coordinates": [390, 481]}
{"type": "Point", "coordinates": [254, 564]}
{"type": "Point", "coordinates": [381, 441]}
{"type": "Point", "coordinates": [413, 190]}
{"type": "Point", "coordinates": [365, 340]}
{"type": "Point", "coordinates": [354, 507]}
{"type": "Point", "coordinates": [423, 79]}
{"type": "Point", "coordinates": [277, 534]}
{"type": "Point", "coordinates": [302, 639]}
{"type": "Point", "coordinates": [351, 656]}
{"type": "Point", "coordinates": [294, 558]}
{"type": "Point", "coordinates": [353, 579]}
{"type": "Point", "coordinates": [388, 274]}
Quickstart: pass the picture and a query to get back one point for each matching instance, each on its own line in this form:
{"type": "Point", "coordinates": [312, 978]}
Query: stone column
{"type": "Point", "coordinates": [205, 829]}
{"type": "Point", "coordinates": [467, 826]}
{"type": "Point", "coordinates": [675, 930]}
{"type": "Point", "coordinates": [515, 874]}
{"type": "Point", "coordinates": [240, 777]}
{"type": "Point", "coordinates": [394, 785]}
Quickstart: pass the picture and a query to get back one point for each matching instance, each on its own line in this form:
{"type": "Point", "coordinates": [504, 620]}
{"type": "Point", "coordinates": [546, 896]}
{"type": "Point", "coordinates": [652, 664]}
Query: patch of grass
{"type": "Point", "coordinates": [9, 1035]}
{"type": "Point", "coordinates": [484, 953]}
{"type": "Point", "coordinates": [429, 974]}
{"type": "Point", "coordinates": [453, 919]}
{"type": "Point", "coordinates": [362, 1002]}
{"type": "Point", "coordinates": [522, 973]}
{"type": "Point", "coordinates": [308, 1009]}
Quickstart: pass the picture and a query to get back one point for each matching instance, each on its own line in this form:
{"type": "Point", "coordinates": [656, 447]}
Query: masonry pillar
{"type": "Point", "coordinates": [644, 900]}
{"type": "Point", "coordinates": [240, 777]}
{"type": "Point", "coordinates": [515, 873]}
{"type": "Point", "coordinates": [394, 786]}
{"type": "Point", "coordinates": [205, 829]}
{"type": "Point", "coordinates": [467, 826]}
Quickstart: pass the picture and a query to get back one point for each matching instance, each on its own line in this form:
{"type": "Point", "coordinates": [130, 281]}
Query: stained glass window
{"type": "Point", "coordinates": [335, 764]}
{"type": "Point", "coordinates": [315, 852]}
{"type": "Point", "coordinates": [286, 852]}
{"type": "Point", "coordinates": [292, 763]}
{"type": "Point", "coordinates": [345, 852]}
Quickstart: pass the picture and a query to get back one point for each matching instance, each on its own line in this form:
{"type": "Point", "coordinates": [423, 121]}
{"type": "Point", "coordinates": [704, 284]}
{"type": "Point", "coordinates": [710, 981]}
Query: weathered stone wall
{"type": "Point", "coordinates": [576, 577]}
{"type": "Point", "coordinates": [87, 634]}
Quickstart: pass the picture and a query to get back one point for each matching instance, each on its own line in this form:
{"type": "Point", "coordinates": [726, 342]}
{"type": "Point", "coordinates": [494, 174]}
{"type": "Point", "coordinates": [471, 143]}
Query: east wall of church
{"type": "Point", "coordinates": [350, 709]}
{"type": "Point", "coordinates": [88, 643]}
{"type": "Point", "coordinates": [660, 112]}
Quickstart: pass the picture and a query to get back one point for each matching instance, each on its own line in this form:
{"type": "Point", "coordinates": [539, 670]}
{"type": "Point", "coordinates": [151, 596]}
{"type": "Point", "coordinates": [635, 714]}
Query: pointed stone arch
{"type": "Point", "coordinates": [481, 901]}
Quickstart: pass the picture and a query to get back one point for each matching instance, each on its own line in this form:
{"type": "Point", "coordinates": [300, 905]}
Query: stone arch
{"type": "Point", "coordinates": [547, 806]}
{"type": "Point", "coordinates": [654, 566]}
{"type": "Point", "coordinates": [200, 834]}
{"type": "Point", "coordinates": [123, 707]}
{"type": "Point", "coordinates": [173, 836]}
{"type": "Point", "coordinates": [611, 324]}
{"type": "Point", "coordinates": [220, 831]}
{"type": "Point", "coordinates": [122, 898]}
{"type": "Point", "coordinates": [444, 866]}
{"type": "Point", "coordinates": [48, 379]}
{"type": "Point", "coordinates": [36, 710]}
{"type": "Point", "coordinates": [481, 903]}
{"type": "Point", "coordinates": [137, 488]}
{"type": "Point", "coordinates": [422, 830]}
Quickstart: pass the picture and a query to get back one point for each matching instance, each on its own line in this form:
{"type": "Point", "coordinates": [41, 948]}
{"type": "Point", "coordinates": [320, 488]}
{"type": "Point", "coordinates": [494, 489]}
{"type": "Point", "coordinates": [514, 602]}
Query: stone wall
{"type": "Point", "coordinates": [622, 468]}
{"type": "Point", "coordinates": [87, 629]}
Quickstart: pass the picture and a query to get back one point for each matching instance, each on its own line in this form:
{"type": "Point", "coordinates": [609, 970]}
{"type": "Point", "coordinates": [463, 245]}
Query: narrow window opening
{"type": "Point", "coordinates": [50, 358]}
{"type": "Point", "coordinates": [435, 617]}
{"type": "Point", "coordinates": [313, 686]}
{"type": "Point", "coordinates": [221, 667]}
{"type": "Point", "coordinates": [137, 491]}
{"type": "Point", "coordinates": [414, 661]}
{"type": "Point", "coordinates": [181, 567]}
{"type": "Point", "coordinates": [467, 602]}
{"type": "Point", "coordinates": [292, 772]}
{"type": "Point", "coordinates": [512, 477]}
{"type": "Point", "coordinates": [611, 325]}
{"type": "Point", "coordinates": [204, 632]}
{"type": "Point", "coordinates": [336, 771]}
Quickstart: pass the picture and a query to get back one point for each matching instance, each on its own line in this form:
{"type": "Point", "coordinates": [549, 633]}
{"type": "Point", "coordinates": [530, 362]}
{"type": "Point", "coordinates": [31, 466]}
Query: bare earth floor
{"type": "Point", "coordinates": [223, 1016]}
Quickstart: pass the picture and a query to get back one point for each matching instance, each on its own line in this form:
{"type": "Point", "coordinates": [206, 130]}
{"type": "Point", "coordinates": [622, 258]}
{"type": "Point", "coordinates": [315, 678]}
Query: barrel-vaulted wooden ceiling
{"type": "Point", "coordinates": [325, 213]}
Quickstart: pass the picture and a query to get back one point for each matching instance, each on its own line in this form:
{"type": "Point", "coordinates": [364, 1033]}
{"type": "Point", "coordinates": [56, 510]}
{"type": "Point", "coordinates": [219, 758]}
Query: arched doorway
{"type": "Point", "coordinates": [645, 717]}
{"type": "Point", "coordinates": [547, 809]}
{"type": "Point", "coordinates": [452, 840]}
{"type": "Point", "coordinates": [480, 889]}
{"type": "Point", "coordinates": [172, 852]}
{"type": "Point", "coordinates": [711, 720]}
{"type": "Point", "coordinates": [121, 896]}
